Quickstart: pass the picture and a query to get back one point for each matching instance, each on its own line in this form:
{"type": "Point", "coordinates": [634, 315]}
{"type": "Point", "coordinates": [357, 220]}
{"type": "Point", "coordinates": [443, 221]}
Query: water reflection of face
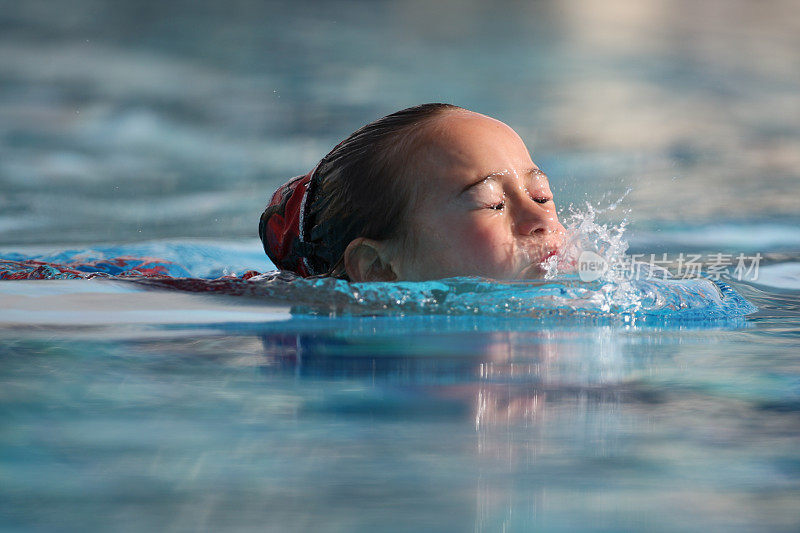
{"type": "Point", "coordinates": [483, 207]}
{"type": "Point", "coordinates": [501, 377]}
{"type": "Point", "coordinates": [524, 371]}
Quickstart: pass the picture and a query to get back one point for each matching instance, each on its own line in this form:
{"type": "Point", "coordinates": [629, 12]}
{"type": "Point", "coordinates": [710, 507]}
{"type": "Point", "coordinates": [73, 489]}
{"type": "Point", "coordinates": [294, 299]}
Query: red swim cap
{"type": "Point", "coordinates": [281, 227]}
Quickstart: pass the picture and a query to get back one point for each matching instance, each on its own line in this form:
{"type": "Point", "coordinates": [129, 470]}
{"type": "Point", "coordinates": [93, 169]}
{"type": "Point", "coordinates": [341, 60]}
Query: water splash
{"type": "Point", "coordinates": [606, 244]}
{"type": "Point", "coordinates": [585, 233]}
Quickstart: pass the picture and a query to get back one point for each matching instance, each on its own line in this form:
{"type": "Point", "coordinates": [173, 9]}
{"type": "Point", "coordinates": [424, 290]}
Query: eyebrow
{"type": "Point", "coordinates": [529, 172]}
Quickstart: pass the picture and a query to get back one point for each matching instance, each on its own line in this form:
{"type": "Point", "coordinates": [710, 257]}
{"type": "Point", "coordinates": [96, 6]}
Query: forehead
{"type": "Point", "coordinates": [460, 146]}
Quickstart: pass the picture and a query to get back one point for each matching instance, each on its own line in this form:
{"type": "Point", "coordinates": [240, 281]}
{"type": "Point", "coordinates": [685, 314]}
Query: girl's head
{"type": "Point", "coordinates": [429, 192]}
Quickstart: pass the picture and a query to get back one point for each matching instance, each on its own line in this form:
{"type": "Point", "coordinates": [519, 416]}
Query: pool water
{"type": "Point", "coordinates": [159, 408]}
{"type": "Point", "coordinates": [176, 391]}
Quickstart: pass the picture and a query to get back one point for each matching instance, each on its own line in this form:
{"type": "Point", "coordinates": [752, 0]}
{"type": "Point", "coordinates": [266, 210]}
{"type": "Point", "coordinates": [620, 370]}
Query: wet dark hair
{"type": "Point", "coordinates": [360, 188]}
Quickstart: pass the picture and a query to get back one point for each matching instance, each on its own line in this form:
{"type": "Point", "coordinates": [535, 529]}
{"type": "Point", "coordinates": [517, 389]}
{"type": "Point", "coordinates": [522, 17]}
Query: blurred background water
{"type": "Point", "coordinates": [141, 121]}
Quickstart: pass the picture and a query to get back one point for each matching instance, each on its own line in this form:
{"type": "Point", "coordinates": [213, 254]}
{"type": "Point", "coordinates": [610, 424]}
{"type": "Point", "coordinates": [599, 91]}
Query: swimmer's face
{"type": "Point", "coordinates": [482, 208]}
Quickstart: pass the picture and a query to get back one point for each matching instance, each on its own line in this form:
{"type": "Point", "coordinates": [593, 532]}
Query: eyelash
{"type": "Point", "coordinates": [501, 205]}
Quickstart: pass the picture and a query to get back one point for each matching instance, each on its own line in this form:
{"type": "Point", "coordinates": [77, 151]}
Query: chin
{"type": "Point", "coordinates": [533, 271]}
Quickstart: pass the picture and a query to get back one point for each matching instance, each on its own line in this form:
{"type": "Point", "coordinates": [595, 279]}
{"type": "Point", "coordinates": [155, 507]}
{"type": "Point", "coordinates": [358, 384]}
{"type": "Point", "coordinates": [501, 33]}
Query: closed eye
{"type": "Point", "coordinates": [497, 207]}
{"type": "Point", "coordinates": [542, 200]}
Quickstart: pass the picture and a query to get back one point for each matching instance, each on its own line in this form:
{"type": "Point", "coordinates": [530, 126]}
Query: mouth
{"type": "Point", "coordinates": [549, 255]}
{"type": "Point", "coordinates": [538, 268]}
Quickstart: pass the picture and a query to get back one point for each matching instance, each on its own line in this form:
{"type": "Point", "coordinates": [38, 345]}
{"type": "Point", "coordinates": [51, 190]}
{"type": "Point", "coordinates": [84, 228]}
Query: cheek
{"type": "Point", "coordinates": [461, 246]}
{"type": "Point", "coordinates": [488, 246]}
{"type": "Point", "coordinates": [485, 239]}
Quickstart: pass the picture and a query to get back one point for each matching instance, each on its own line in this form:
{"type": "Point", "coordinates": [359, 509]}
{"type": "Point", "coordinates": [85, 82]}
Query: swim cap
{"type": "Point", "coordinates": [281, 226]}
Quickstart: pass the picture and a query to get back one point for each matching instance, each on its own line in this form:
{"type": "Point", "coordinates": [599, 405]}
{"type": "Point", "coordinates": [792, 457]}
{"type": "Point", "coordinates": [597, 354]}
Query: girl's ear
{"type": "Point", "coordinates": [365, 260]}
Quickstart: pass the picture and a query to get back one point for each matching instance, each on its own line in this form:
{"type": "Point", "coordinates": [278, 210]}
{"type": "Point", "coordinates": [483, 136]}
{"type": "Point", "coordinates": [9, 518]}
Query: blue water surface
{"type": "Point", "coordinates": [159, 407]}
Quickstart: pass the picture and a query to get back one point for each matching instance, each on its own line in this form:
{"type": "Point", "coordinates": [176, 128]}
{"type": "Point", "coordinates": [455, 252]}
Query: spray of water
{"type": "Point", "coordinates": [588, 241]}
{"type": "Point", "coordinates": [586, 234]}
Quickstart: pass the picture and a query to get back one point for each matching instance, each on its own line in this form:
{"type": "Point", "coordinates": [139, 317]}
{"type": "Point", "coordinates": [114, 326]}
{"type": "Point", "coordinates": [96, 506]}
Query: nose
{"type": "Point", "coordinates": [538, 220]}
